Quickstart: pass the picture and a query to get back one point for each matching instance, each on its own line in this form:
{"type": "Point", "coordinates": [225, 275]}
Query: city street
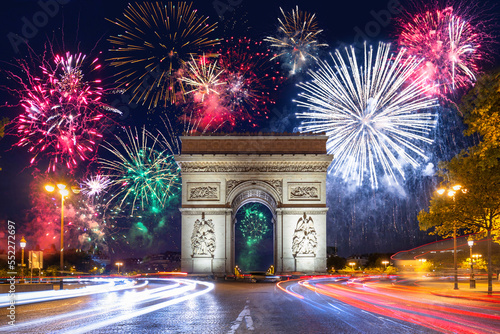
{"type": "Point", "coordinates": [297, 306]}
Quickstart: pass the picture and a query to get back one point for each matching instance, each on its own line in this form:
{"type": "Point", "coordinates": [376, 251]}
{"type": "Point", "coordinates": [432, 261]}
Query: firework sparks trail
{"type": "Point", "coordinates": [297, 42]}
{"type": "Point", "coordinates": [371, 117]}
{"type": "Point", "coordinates": [63, 114]}
{"type": "Point", "coordinates": [203, 77]}
{"type": "Point", "coordinates": [157, 41]}
{"type": "Point", "coordinates": [144, 170]}
{"type": "Point", "coordinates": [450, 46]}
{"type": "Point", "coordinates": [247, 83]}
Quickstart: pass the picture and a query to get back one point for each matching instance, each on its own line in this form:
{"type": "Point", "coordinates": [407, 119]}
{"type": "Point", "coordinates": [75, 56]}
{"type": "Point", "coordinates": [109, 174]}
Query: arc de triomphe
{"type": "Point", "coordinates": [287, 173]}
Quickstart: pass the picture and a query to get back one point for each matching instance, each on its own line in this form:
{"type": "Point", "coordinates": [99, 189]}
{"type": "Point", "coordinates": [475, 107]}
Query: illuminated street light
{"type": "Point", "coordinates": [22, 243]}
{"type": "Point", "coordinates": [451, 193]}
{"type": "Point", "coordinates": [385, 263]}
{"type": "Point", "coordinates": [472, 280]}
{"type": "Point", "coordinates": [352, 264]}
{"type": "Point", "coordinates": [119, 264]}
{"type": "Point", "coordinates": [64, 193]}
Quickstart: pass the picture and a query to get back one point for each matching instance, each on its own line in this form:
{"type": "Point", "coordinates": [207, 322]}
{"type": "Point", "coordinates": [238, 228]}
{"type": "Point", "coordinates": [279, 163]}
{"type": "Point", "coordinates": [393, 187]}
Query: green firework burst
{"type": "Point", "coordinates": [254, 224]}
{"type": "Point", "coordinates": [144, 173]}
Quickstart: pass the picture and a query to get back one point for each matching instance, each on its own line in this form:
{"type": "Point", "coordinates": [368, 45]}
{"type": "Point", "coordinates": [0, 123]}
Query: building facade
{"type": "Point", "coordinates": [220, 174]}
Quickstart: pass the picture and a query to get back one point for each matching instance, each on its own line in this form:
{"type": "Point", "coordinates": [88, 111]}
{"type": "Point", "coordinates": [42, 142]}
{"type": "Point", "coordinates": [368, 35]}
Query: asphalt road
{"type": "Point", "coordinates": [231, 307]}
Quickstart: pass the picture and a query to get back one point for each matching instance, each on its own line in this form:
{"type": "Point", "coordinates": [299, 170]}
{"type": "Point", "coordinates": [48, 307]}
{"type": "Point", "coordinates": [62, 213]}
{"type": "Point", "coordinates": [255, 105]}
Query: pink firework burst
{"type": "Point", "coordinates": [449, 44]}
{"type": "Point", "coordinates": [243, 86]}
{"type": "Point", "coordinates": [63, 117]}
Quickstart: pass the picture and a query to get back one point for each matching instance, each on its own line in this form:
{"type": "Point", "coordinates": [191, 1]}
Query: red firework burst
{"type": "Point", "coordinates": [449, 45]}
{"type": "Point", "coordinates": [246, 83]}
{"type": "Point", "coordinates": [63, 116]}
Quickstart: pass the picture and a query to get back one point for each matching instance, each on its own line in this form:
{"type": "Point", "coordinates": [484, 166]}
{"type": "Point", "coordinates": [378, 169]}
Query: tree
{"type": "Point", "coordinates": [479, 264]}
{"type": "Point", "coordinates": [481, 110]}
{"type": "Point", "coordinates": [474, 209]}
{"type": "Point", "coordinates": [336, 262]}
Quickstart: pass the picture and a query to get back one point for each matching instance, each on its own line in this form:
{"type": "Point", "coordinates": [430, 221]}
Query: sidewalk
{"type": "Point", "coordinates": [480, 293]}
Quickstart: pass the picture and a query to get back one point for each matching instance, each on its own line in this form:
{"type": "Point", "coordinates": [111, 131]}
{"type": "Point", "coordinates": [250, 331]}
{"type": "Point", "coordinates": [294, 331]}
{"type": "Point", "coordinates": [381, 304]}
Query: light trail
{"type": "Point", "coordinates": [140, 297]}
{"type": "Point", "coordinates": [191, 286]}
{"type": "Point", "coordinates": [411, 307]}
{"type": "Point", "coordinates": [178, 291]}
{"type": "Point", "coordinates": [288, 291]}
{"type": "Point", "coordinates": [23, 298]}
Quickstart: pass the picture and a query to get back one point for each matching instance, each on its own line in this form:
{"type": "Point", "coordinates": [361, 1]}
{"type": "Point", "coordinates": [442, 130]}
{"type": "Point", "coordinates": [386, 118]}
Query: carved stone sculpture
{"type": "Point", "coordinates": [203, 237]}
{"type": "Point", "coordinates": [203, 193]}
{"type": "Point", "coordinates": [304, 240]}
{"type": "Point", "coordinates": [304, 192]}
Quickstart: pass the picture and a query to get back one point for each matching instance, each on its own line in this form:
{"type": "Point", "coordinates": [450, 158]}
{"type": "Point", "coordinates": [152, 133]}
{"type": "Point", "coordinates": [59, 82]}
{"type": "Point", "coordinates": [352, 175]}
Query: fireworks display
{"type": "Point", "coordinates": [63, 116]}
{"type": "Point", "coordinates": [449, 44]}
{"type": "Point", "coordinates": [253, 237]}
{"type": "Point", "coordinates": [243, 87]}
{"type": "Point", "coordinates": [95, 185]}
{"type": "Point", "coordinates": [377, 107]}
{"type": "Point", "coordinates": [374, 121]}
{"type": "Point", "coordinates": [297, 40]}
{"type": "Point", "coordinates": [254, 224]}
{"type": "Point", "coordinates": [143, 171]}
{"type": "Point", "coordinates": [158, 39]}
{"type": "Point", "coordinates": [83, 220]}
{"type": "Point", "coordinates": [203, 77]}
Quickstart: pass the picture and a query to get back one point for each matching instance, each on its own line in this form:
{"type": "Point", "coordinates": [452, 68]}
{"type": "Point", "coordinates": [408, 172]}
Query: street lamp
{"type": "Point", "coordinates": [119, 264]}
{"type": "Point", "coordinates": [385, 263]}
{"type": "Point", "coordinates": [22, 243]}
{"type": "Point", "coordinates": [451, 193]}
{"type": "Point", "coordinates": [472, 280]}
{"type": "Point", "coordinates": [352, 264]}
{"type": "Point", "coordinates": [64, 193]}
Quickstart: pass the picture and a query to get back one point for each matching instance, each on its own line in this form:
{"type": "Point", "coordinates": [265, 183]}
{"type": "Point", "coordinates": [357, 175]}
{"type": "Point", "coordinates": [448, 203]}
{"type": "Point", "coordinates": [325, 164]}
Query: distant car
{"type": "Point", "coordinates": [261, 276]}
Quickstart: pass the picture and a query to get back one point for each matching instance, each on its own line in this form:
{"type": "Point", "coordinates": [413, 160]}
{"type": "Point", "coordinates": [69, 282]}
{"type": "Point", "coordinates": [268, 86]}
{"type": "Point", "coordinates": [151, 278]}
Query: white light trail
{"type": "Point", "coordinates": [108, 285]}
{"type": "Point", "coordinates": [191, 285]}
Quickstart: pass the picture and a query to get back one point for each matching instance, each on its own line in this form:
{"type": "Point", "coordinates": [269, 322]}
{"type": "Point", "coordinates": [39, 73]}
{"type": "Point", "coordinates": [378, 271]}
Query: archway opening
{"type": "Point", "coordinates": [254, 237]}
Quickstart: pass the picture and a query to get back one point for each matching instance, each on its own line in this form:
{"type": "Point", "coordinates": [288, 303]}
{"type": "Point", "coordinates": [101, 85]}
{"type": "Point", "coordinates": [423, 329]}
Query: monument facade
{"type": "Point", "coordinates": [220, 174]}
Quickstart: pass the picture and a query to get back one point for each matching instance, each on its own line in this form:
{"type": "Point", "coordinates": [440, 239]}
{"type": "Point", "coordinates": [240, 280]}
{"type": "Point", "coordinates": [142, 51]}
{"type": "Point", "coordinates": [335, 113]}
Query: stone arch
{"type": "Point", "coordinates": [220, 173]}
{"type": "Point", "coordinates": [253, 191]}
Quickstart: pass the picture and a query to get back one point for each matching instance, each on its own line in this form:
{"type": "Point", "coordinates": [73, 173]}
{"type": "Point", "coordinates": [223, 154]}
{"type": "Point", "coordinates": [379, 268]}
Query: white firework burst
{"type": "Point", "coordinates": [374, 116]}
{"type": "Point", "coordinates": [95, 185]}
{"type": "Point", "coordinates": [203, 77]}
{"type": "Point", "coordinates": [297, 40]}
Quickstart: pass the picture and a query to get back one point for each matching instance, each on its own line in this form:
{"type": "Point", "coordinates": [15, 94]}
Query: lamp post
{"type": "Point", "coordinates": [385, 263]}
{"type": "Point", "coordinates": [451, 193]}
{"type": "Point", "coordinates": [352, 264]}
{"type": "Point", "coordinates": [22, 243]}
{"type": "Point", "coordinates": [119, 264]}
{"type": "Point", "coordinates": [472, 280]}
{"type": "Point", "coordinates": [64, 193]}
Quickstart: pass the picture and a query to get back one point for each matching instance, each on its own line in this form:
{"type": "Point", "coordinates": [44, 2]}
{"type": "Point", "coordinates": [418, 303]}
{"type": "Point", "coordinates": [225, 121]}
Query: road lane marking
{"type": "Point", "coordinates": [245, 314]}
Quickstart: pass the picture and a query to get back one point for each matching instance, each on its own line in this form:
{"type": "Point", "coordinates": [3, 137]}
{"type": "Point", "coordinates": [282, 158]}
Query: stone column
{"type": "Point", "coordinates": [229, 242]}
{"type": "Point", "coordinates": [278, 241]}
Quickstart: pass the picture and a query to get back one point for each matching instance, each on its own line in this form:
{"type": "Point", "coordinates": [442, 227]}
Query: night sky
{"type": "Point", "coordinates": [361, 222]}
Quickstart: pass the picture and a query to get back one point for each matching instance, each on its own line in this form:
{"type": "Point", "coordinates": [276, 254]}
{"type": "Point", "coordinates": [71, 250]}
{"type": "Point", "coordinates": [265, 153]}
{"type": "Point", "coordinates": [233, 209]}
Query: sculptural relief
{"type": "Point", "coordinates": [203, 237]}
{"type": "Point", "coordinates": [208, 191]}
{"type": "Point", "coordinates": [304, 240]}
{"type": "Point", "coordinates": [304, 191]}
